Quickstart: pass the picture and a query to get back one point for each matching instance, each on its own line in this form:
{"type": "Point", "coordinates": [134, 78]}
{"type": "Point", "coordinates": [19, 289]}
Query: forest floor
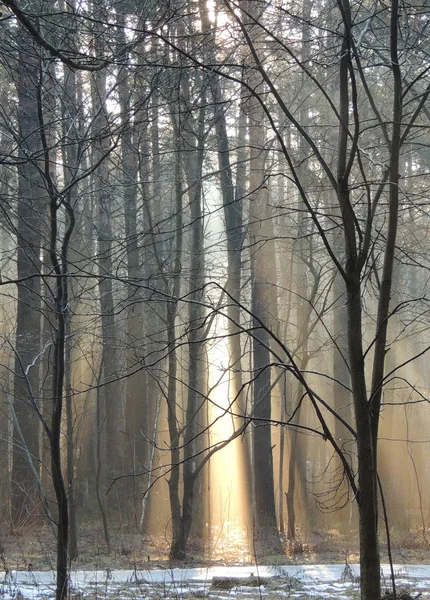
{"type": "Point", "coordinates": [33, 548]}
{"type": "Point", "coordinates": [317, 566]}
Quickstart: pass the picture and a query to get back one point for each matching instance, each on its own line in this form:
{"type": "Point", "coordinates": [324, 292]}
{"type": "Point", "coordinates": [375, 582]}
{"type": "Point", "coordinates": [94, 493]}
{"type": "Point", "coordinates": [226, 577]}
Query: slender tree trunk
{"type": "Point", "coordinates": [342, 398]}
{"type": "Point", "coordinates": [58, 251]}
{"type": "Point", "coordinates": [367, 477]}
{"type": "Point", "coordinates": [176, 548]}
{"type": "Point", "coordinates": [70, 161]}
{"type": "Point", "coordinates": [194, 411]}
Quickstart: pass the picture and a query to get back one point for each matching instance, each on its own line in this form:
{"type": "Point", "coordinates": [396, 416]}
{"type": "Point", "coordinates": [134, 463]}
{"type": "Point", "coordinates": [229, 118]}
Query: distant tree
{"type": "Point", "coordinates": [30, 231]}
{"type": "Point", "coordinates": [330, 108]}
{"type": "Point", "coordinates": [361, 188]}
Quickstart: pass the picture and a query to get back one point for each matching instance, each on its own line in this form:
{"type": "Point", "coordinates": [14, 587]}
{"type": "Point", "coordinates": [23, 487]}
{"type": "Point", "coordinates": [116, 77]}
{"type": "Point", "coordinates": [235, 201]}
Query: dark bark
{"type": "Point", "coordinates": [195, 397]}
{"type": "Point", "coordinates": [30, 208]}
{"type": "Point", "coordinates": [73, 525]}
{"type": "Point", "coordinates": [104, 205]}
{"type": "Point", "coordinates": [70, 161]}
{"type": "Point", "coordinates": [366, 446]}
{"type": "Point", "coordinates": [266, 533]}
{"type": "Point", "coordinates": [367, 476]}
{"type": "Point", "coordinates": [177, 546]}
{"type": "Point", "coordinates": [393, 215]}
{"type": "Point", "coordinates": [265, 526]}
{"type": "Point", "coordinates": [135, 417]}
{"type": "Point", "coordinates": [58, 252]}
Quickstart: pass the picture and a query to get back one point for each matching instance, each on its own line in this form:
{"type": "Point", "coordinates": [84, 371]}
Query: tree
{"type": "Point", "coordinates": [354, 173]}
{"type": "Point", "coordinates": [30, 229]}
{"type": "Point", "coordinates": [341, 156]}
{"type": "Point", "coordinates": [263, 302]}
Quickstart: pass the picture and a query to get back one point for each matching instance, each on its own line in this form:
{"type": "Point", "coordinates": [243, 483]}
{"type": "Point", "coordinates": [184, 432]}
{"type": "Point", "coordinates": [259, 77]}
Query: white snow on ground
{"type": "Point", "coordinates": [315, 581]}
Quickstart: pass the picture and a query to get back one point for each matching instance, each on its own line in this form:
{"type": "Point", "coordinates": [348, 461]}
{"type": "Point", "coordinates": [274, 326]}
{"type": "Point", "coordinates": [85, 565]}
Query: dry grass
{"type": "Point", "coordinates": [34, 548]}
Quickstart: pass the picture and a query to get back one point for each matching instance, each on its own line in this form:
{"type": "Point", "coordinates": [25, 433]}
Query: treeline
{"type": "Point", "coordinates": [214, 243]}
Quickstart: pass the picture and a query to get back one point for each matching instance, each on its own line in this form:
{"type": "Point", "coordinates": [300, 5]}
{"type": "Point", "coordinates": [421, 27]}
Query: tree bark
{"type": "Point", "coordinates": [366, 458]}
{"type": "Point", "coordinates": [104, 203]}
{"type": "Point", "coordinates": [232, 202]}
{"type": "Point", "coordinates": [266, 535]}
{"type": "Point", "coordinates": [177, 546]}
{"type": "Point", "coordinates": [193, 159]}
{"type": "Point", "coordinates": [30, 208]}
{"type": "Point", "coordinates": [58, 252]}
{"type": "Point", "coordinates": [135, 409]}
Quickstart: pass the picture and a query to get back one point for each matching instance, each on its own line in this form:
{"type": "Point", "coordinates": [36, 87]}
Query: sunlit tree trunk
{"type": "Point", "coordinates": [154, 260]}
{"type": "Point", "coordinates": [261, 252]}
{"type": "Point", "coordinates": [172, 387]}
{"type": "Point", "coordinates": [232, 201]}
{"type": "Point", "coordinates": [192, 131]}
{"type": "Point", "coordinates": [302, 273]}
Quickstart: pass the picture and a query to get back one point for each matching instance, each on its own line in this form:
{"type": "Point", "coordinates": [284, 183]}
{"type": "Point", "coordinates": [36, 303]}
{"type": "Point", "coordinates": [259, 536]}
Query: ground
{"type": "Point", "coordinates": [33, 548]}
{"type": "Point", "coordinates": [138, 569]}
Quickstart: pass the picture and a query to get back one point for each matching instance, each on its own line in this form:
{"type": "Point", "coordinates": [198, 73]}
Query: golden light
{"type": "Point", "coordinates": [229, 526]}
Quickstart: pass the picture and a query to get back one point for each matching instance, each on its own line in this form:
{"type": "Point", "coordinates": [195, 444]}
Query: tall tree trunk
{"type": "Point", "coordinates": [262, 254]}
{"type": "Point", "coordinates": [136, 383]}
{"type": "Point", "coordinates": [342, 398]}
{"type": "Point", "coordinates": [265, 527]}
{"type": "Point", "coordinates": [302, 256]}
{"type": "Point", "coordinates": [366, 444]}
{"type": "Point", "coordinates": [58, 253]}
{"type": "Point", "coordinates": [30, 208]}
{"type": "Point", "coordinates": [70, 162]}
{"type": "Point", "coordinates": [154, 259]}
{"type": "Point", "coordinates": [176, 548]}
{"type": "Point", "coordinates": [105, 200]}
{"type": "Point", "coordinates": [193, 133]}
{"type": "Point", "coordinates": [232, 201]}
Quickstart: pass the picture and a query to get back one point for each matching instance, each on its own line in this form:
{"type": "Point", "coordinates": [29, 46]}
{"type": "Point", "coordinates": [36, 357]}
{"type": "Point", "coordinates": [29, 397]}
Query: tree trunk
{"type": "Point", "coordinates": [266, 534]}
{"type": "Point", "coordinates": [265, 527]}
{"type": "Point", "coordinates": [31, 192]}
{"type": "Point", "coordinates": [176, 547]}
{"type": "Point", "coordinates": [105, 200]}
{"type": "Point", "coordinates": [136, 383]}
{"type": "Point", "coordinates": [58, 251]}
{"type": "Point", "coordinates": [70, 162]}
{"type": "Point", "coordinates": [366, 445]}
{"type": "Point", "coordinates": [232, 201]}
{"type": "Point", "coordinates": [370, 568]}
{"type": "Point", "coordinates": [195, 397]}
